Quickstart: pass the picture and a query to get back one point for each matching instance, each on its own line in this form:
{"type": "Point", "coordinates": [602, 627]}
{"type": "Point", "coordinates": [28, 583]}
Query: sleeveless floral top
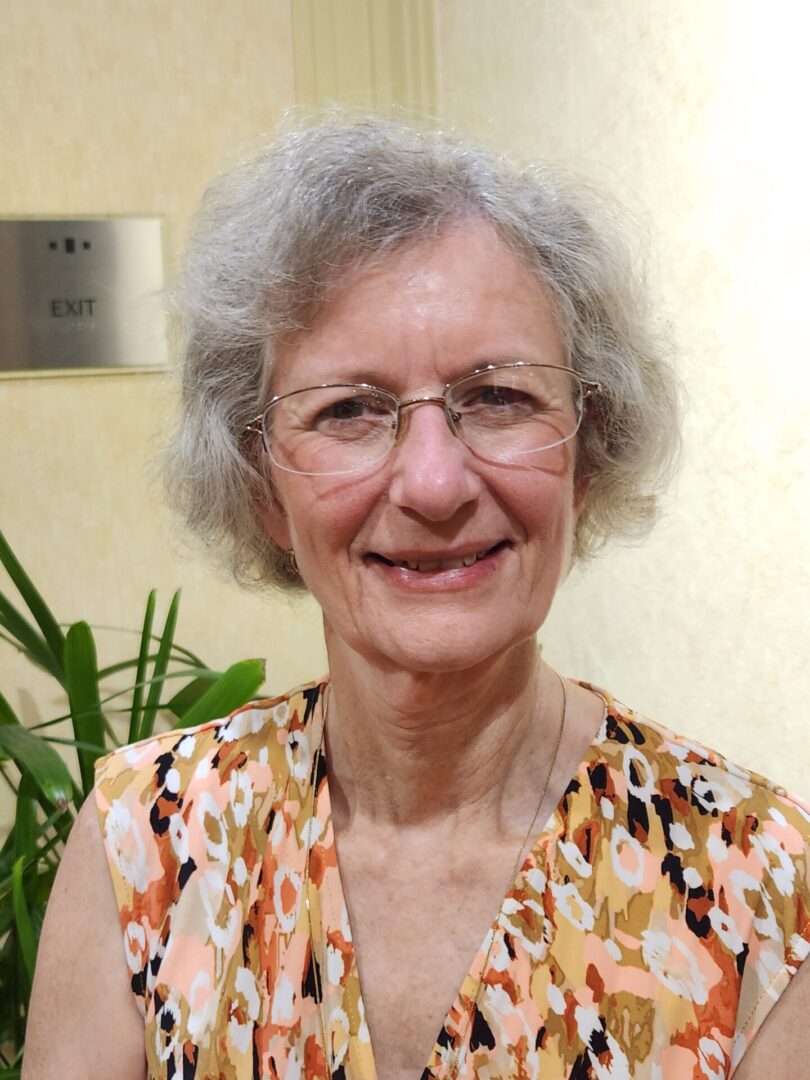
{"type": "Point", "coordinates": [655, 923]}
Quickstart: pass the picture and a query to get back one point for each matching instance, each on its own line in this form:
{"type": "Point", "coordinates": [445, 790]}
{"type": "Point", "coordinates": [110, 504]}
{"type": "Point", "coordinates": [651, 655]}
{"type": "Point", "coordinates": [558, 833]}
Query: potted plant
{"type": "Point", "coordinates": [162, 683]}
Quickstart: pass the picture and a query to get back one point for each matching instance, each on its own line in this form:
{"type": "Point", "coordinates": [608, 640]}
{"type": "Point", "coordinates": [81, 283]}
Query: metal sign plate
{"type": "Point", "coordinates": [83, 293]}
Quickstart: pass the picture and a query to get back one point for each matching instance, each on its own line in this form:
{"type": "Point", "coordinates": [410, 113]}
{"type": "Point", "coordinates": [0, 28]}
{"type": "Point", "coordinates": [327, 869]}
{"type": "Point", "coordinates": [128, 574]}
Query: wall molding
{"type": "Point", "coordinates": [366, 54]}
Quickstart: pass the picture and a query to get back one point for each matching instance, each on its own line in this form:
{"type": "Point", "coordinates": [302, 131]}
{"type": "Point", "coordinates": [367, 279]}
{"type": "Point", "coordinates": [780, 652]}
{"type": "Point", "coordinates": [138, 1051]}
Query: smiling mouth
{"type": "Point", "coordinates": [432, 566]}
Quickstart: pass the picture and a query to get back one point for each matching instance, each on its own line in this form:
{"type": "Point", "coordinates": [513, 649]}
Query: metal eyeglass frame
{"type": "Point", "coordinates": [257, 425]}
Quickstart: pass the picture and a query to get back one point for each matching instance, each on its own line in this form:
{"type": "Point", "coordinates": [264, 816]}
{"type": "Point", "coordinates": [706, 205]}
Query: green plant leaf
{"type": "Point", "coordinates": [32, 754]}
{"type": "Point", "coordinates": [183, 673]}
{"type": "Point", "coordinates": [136, 714]}
{"type": "Point", "coordinates": [77, 744]}
{"type": "Point", "coordinates": [25, 820]}
{"type": "Point", "coordinates": [26, 638]}
{"type": "Point", "coordinates": [188, 656]}
{"type": "Point", "coordinates": [233, 688]}
{"type": "Point", "coordinates": [190, 694]}
{"type": "Point", "coordinates": [36, 605]}
{"type": "Point", "coordinates": [15, 644]}
{"type": "Point", "coordinates": [7, 714]}
{"type": "Point", "coordinates": [25, 930]}
{"type": "Point", "coordinates": [147, 720]}
{"type": "Point", "coordinates": [81, 677]}
{"type": "Point", "coordinates": [179, 652]}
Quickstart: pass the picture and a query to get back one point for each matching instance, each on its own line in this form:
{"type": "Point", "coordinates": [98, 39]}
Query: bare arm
{"type": "Point", "coordinates": [83, 1023]}
{"type": "Point", "coordinates": [780, 1049]}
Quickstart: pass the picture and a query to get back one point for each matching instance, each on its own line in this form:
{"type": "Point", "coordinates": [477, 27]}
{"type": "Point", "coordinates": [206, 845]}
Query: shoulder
{"type": "Point", "coordinates": [174, 805]}
{"type": "Point", "coordinates": [66, 1015]}
{"type": "Point", "coordinates": [260, 738]}
{"type": "Point", "coordinates": [692, 777]}
{"type": "Point", "coordinates": [733, 848]}
{"type": "Point", "coordinates": [741, 825]}
{"type": "Point", "coordinates": [783, 1037]}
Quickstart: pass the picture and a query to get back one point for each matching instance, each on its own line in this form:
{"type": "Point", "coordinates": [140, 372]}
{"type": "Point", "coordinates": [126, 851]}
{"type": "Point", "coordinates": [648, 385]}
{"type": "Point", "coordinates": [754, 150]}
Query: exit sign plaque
{"type": "Point", "coordinates": [83, 293]}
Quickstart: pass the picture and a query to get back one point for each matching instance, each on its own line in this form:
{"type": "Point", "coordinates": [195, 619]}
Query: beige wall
{"type": "Point", "coordinates": [122, 106]}
{"type": "Point", "coordinates": [695, 113]}
{"type": "Point", "coordinates": [689, 109]}
{"type": "Point", "coordinates": [368, 54]}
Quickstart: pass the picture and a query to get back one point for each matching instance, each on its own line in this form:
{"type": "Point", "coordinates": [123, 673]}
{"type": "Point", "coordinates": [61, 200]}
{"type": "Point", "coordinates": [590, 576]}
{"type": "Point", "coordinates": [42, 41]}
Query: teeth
{"type": "Point", "coordinates": [431, 565]}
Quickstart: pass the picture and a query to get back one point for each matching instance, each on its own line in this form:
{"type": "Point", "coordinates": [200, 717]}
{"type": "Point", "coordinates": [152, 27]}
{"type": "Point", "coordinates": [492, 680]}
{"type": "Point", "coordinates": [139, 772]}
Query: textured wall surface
{"type": "Point", "coordinates": [132, 106]}
{"type": "Point", "coordinates": [365, 54]}
{"type": "Point", "coordinates": [694, 115]}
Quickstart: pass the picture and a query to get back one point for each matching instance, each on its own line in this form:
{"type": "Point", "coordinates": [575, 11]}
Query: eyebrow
{"type": "Point", "coordinates": [384, 381]}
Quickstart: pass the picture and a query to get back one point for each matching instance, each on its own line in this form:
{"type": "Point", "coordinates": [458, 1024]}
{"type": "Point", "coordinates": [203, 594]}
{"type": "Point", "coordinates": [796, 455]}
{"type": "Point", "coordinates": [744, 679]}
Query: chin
{"type": "Point", "coordinates": [442, 646]}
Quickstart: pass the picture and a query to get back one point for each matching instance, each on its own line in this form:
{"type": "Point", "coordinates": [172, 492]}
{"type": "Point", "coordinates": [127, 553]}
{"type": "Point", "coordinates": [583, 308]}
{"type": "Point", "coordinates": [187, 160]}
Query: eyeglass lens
{"type": "Point", "coordinates": [501, 414]}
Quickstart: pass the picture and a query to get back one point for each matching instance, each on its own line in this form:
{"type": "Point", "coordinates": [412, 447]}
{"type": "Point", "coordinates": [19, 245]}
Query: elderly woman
{"type": "Point", "coordinates": [417, 383]}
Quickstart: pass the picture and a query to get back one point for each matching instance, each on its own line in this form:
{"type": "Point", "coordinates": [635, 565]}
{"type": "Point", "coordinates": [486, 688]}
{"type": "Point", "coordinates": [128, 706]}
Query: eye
{"type": "Point", "coordinates": [354, 408]}
{"type": "Point", "coordinates": [497, 397]}
{"type": "Point", "coordinates": [339, 413]}
{"type": "Point", "coordinates": [500, 400]}
{"type": "Point", "coordinates": [347, 409]}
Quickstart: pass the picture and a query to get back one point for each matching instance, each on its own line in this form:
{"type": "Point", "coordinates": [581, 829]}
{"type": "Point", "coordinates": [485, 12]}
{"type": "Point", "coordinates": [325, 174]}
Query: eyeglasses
{"type": "Point", "coordinates": [501, 412]}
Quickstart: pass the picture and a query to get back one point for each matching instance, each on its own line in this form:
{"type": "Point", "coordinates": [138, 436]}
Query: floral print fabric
{"type": "Point", "coordinates": [655, 923]}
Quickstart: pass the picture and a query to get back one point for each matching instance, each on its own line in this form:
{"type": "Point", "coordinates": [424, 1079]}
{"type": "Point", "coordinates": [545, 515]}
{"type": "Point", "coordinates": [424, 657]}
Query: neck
{"type": "Point", "coordinates": [441, 750]}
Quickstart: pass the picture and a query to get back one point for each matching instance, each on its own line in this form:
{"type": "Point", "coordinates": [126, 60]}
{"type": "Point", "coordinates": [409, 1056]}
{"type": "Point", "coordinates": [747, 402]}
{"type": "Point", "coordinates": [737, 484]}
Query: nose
{"type": "Point", "coordinates": [433, 472]}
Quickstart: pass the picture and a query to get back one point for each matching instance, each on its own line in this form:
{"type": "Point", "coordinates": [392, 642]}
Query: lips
{"type": "Point", "coordinates": [429, 565]}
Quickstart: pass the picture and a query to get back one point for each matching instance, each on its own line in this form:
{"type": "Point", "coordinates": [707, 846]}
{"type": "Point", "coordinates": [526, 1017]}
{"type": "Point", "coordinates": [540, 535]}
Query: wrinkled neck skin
{"type": "Point", "coordinates": [440, 752]}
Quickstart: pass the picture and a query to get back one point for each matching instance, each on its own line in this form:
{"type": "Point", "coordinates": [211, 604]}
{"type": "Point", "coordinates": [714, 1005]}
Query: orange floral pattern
{"type": "Point", "coordinates": [655, 923]}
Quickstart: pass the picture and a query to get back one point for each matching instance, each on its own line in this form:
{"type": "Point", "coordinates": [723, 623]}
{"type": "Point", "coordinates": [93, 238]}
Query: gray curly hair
{"type": "Point", "coordinates": [276, 232]}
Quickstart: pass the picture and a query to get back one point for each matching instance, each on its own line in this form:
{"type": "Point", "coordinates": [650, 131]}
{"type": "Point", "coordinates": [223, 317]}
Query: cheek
{"type": "Point", "coordinates": [548, 515]}
{"type": "Point", "coordinates": [324, 519]}
{"type": "Point", "coordinates": [544, 499]}
{"type": "Point", "coordinates": [298, 511]}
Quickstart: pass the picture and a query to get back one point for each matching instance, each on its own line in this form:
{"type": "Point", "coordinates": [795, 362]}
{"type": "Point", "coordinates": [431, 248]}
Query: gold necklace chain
{"type": "Point", "coordinates": [319, 980]}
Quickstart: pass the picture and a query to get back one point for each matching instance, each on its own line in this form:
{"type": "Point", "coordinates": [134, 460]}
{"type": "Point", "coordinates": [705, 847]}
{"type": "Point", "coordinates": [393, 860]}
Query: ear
{"type": "Point", "coordinates": [581, 485]}
{"type": "Point", "coordinates": [267, 506]}
{"type": "Point", "coordinates": [273, 520]}
{"type": "Point", "coordinates": [269, 509]}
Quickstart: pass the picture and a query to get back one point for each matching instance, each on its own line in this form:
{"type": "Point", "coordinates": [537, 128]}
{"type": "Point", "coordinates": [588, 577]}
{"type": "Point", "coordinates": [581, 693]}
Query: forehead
{"type": "Point", "coordinates": [427, 313]}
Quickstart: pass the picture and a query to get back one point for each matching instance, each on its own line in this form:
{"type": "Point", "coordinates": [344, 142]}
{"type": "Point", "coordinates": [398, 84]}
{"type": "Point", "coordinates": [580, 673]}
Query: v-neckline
{"type": "Point", "coordinates": [333, 917]}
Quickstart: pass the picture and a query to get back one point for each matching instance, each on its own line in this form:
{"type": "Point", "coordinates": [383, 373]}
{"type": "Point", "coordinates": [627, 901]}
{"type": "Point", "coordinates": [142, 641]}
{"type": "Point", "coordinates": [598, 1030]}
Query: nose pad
{"type": "Point", "coordinates": [404, 417]}
{"type": "Point", "coordinates": [431, 476]}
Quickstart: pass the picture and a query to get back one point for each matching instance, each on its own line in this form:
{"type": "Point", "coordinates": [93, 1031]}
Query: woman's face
{"type": "Point", "coordinates": [418, 321]}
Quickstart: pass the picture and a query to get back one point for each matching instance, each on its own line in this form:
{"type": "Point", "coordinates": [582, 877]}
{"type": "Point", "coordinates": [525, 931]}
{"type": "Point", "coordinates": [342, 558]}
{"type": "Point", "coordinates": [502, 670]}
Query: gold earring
{"type": "Point", "coordinates": [291, 564]}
